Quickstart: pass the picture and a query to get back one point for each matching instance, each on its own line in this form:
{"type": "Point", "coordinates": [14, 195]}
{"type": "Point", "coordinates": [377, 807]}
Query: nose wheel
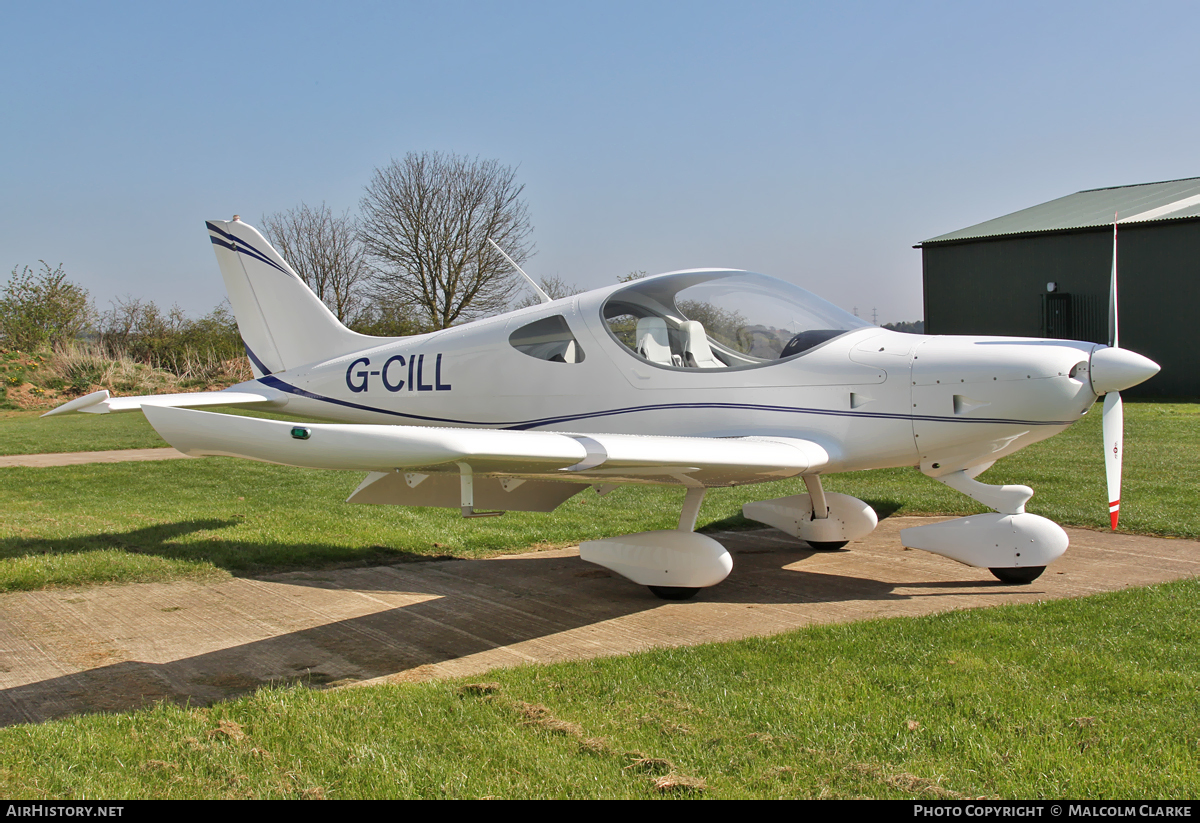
{"type": "Point", "coordinates": [1017, 577]}
{"type": "Point", "coordinates": [826, 545]}
{"type": "Point", "coordinates": [673, 592]}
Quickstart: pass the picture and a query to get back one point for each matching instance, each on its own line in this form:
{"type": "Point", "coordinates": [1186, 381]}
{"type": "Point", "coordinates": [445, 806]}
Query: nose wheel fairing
{"type": "Point", "coordinates": [1011, 539]}
{"type": "Point", "coordinates": [991, 541]}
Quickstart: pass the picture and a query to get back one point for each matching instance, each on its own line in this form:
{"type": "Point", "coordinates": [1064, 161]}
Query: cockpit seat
{"type": "Point", "coordinates": [697, 354]}
{"type": "Point", "coordinates": [653, 342]}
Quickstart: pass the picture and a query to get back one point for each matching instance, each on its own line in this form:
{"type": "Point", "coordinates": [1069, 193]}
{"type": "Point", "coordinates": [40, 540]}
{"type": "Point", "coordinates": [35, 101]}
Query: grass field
{"type": "Point", "coordinates": [1087, 698]}
{"type": "Point", "coordinates": [24, 432]}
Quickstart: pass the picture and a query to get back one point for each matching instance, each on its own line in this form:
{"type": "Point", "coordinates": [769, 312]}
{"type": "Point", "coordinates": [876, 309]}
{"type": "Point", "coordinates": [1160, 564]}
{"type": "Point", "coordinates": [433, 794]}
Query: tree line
{"type": "Point", "coordinates": [41, 310]}
{"type": "Point", "coordinates": [415, 258]}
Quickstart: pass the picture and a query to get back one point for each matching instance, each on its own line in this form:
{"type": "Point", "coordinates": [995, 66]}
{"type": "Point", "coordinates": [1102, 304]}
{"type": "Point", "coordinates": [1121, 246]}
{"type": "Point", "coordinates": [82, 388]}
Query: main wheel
{"type": "Point", "coordinates": [826, 545]}
{"type": "Point", "coordinates": [674, 592]}
{"type": "Point", "coordinates": [1015, 577]}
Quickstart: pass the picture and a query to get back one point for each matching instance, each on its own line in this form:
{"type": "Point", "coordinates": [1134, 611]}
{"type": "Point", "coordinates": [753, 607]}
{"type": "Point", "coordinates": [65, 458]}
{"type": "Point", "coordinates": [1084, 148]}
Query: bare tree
{"type": "Point", "coordinates": [324, 250]}
{"type": "Point", "coordinates": [426, 223]}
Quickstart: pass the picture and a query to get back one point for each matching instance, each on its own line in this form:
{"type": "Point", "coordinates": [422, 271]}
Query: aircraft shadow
{"type": "Point", "coordinates": [470, 607]}
{"type": "Point", "coordinates": [158, 537]}
{"type": "Point", "coordinates": [161, 540]}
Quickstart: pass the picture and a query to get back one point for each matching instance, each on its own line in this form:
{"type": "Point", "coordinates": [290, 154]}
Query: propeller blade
{"type": "Point", "coordinates": [1113, 417]}
{"type": "Point", "coordinates": [1113, 422]}
{"type": "Point", "coordinates": [1112, 294]}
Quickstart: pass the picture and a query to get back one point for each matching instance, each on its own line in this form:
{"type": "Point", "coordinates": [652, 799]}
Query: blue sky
{"type": "Point", "coordinates": [813, 142]}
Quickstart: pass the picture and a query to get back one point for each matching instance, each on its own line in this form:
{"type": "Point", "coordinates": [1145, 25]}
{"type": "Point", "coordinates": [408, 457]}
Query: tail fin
{"type": "Point", "coordinates": [283, 324]}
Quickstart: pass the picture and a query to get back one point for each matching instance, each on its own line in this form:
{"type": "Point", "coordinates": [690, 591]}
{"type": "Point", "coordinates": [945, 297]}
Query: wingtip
{"type": "Point", "coordinates": [80, 403]}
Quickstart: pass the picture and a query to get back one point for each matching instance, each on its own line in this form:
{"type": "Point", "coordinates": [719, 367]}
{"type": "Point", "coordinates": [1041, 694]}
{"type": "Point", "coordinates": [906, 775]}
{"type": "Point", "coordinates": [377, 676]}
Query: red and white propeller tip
{"type": "Point", "coordinates": [1111, 370]}
{"type": "Point", "coordinates": [1113, 423]}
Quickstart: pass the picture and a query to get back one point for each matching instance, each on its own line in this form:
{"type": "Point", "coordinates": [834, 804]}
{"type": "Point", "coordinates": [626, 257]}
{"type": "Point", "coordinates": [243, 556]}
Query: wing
{"type": "Point", "coordinates": [101, 402]}
{"type": "Point", "coordinates": [503, 462]}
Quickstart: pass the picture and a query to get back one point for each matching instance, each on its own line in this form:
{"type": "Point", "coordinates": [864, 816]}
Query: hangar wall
{"type": "Point", "coordinates": [997, 285]}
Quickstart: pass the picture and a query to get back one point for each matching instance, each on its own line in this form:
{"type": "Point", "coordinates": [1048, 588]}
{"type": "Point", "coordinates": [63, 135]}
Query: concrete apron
{"type": "Point", "coordinates": [116, 648]}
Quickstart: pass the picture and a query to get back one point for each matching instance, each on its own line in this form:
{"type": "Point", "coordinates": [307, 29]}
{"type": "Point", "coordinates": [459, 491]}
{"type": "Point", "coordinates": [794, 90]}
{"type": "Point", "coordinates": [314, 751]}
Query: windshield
{"type": "Point", "coordinates": [721, 319]}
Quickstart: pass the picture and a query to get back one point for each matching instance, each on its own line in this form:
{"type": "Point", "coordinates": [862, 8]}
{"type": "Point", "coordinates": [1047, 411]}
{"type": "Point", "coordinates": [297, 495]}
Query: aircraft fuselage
{"type": "Point", "coordinates": [872, 397]}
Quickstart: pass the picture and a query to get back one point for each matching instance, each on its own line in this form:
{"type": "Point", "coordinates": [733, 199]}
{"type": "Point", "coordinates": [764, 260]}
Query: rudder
{"type": "Point", "coordinates": [282, 322]}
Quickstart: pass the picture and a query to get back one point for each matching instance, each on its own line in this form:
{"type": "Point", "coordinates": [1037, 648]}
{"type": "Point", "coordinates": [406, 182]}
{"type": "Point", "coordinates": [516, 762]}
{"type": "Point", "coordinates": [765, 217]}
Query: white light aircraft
{"type": "Point", "coordinates": [698, 378]}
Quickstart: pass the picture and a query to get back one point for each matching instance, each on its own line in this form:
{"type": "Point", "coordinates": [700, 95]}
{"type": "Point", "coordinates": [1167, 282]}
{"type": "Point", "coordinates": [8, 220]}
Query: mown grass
{"type": "Point", "coordinates": [1088, 698]}
{"type": "Point", "coordinates": [22, 432]}
{"type": "Point", "coordinates": [165, 520]}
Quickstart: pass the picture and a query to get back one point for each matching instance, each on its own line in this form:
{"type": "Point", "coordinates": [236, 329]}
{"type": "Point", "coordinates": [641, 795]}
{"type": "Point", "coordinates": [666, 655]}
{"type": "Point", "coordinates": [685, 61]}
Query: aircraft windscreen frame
{"type": "Point", "coordinates": [721, 319]}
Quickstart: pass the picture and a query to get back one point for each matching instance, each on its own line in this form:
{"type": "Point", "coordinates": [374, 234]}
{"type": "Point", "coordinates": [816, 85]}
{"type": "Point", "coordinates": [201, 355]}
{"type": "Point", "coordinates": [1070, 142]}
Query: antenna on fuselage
{"type": "Point", "coordinates": [544, 297]}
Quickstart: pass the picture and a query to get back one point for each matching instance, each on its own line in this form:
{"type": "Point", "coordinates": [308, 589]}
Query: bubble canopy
{"type": "Point", "coordinates": [721, 319]}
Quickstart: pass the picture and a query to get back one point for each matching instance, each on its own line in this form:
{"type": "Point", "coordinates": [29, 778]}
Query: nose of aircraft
{"type": "Point", "coordinates": [1114, 369]}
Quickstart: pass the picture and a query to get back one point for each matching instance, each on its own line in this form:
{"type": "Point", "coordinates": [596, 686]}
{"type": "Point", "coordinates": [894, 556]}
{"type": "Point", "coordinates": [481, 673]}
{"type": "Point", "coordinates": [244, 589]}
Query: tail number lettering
{"type": "Point", "coordinates": [399, 373]}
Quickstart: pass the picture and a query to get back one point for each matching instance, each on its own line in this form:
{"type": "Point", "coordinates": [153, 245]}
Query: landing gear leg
{"type": "Point", "coordinates": [820, 512]}
{"type": "Point", "coordinates": [823, 521]}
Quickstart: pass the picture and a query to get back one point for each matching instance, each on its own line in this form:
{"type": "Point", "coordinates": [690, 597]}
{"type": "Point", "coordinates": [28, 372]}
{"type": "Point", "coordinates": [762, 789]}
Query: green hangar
{"type": "Point", "coordinates": [1044, 272]}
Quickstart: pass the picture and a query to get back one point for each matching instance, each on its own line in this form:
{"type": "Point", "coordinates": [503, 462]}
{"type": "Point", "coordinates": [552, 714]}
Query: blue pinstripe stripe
{"type": "Point", "coordinates": [276, 383]}
{"type": "Point", "coordinates": [240, 246]}
{"type": "Point", "coordinates": [262, 367]}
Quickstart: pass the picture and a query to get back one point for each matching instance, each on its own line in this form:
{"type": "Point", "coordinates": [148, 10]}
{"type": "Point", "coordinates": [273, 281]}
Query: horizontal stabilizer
{"type": "Point", "coordinates": [610, 458]}
{"type": "Point", "coordinates": [101, 402]}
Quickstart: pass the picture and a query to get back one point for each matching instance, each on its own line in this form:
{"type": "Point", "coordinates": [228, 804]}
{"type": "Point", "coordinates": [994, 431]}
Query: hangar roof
{"type": "Point", "coordinates": [1169, 200]}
